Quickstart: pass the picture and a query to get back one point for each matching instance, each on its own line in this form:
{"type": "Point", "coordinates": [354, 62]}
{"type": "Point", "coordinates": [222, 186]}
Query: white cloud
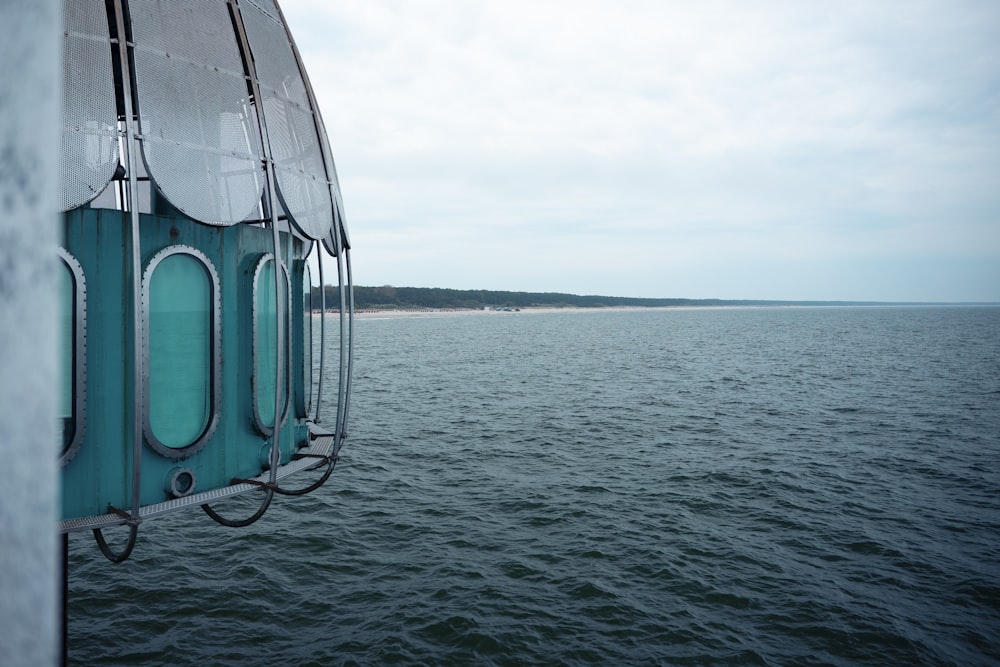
{"type": "Point", "coordinates": [638, 140]}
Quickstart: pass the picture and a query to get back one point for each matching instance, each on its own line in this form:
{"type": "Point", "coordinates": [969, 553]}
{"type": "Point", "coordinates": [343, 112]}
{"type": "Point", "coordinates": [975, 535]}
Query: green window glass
{"type": "Point", "coordinates": [180, 310]}
{"type": "Point", "coordinates": [307, 339]}
{"type": "Point", "coordinates": [266, 342]}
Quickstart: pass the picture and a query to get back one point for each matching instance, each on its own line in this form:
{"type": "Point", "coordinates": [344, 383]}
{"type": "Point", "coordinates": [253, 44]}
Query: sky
{"type": "Point", "coordinates": [772, 149]}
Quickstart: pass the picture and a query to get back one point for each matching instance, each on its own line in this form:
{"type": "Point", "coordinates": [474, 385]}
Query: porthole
{"type": "Point", "coordinates": [72, 356]}
{"type": "Point", "coordinates": [180, 302]}
{"type": "Point", "coordinates": [179, 482]}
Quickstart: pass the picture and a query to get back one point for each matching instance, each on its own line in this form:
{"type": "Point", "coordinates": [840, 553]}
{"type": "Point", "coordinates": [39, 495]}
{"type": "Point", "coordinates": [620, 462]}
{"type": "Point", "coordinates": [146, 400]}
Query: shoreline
{"type": "Point", "coordinates": [370, 313]}
{"type": "Point", "coordinates": [438, 312]}
{"type": "Point", "coordinates": [395, 313]}
{"type": "Point", "coordinates": [374, 313]}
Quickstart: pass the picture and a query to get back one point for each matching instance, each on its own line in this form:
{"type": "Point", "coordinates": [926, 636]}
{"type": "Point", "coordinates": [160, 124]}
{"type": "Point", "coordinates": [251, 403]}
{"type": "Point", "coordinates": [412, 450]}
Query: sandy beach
{"type": "Point", "coordinates": [439, 312]}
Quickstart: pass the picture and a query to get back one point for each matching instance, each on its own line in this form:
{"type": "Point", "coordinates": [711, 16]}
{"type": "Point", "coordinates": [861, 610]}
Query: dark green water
{"type": "Point", "coordinates": [691, 486]}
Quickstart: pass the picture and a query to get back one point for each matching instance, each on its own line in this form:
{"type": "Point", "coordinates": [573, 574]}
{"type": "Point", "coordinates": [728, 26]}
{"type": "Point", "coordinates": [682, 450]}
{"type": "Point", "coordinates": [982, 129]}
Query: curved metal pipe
{"type": "Point", "coordinates": [320, 251]}
{"type": "Point", "coordinates": [271, 202]}
{"type": "Point", "coordinates": [331, 464]}
{"type": "Point", "coordinates": [279, 340]}
{"type": "Point", "coordinates": [342, 377]}
{"type": "Point", "coordinates": [241, 523]}
{"type": "Point", "coordinates": [342, 425]}
{"type": "Point", "coordinates": [138, 378]}
{"type": "Point", "coordinates": [123, 555]}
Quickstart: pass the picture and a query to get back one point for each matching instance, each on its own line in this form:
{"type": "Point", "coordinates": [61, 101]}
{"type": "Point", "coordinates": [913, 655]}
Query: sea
{"type": "Point", "coordinates": [676, 486]}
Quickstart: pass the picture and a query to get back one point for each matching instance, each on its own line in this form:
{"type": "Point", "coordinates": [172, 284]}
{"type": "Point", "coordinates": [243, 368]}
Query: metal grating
{"type": "Point", "coordinates": [322, 446]}
{"type": "Point", "coordinates": [199, 133]}
{"type": "Point", "coordinates": [90, 137]}
{"type": "Point", "coordinates": [302, 181]}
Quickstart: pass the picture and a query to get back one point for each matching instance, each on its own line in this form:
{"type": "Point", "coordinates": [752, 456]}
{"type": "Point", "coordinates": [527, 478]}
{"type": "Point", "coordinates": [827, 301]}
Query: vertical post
{"type": "Point", "coordinates": [30, 126]}
{"type": "Point", "coordinates": [64, 605]}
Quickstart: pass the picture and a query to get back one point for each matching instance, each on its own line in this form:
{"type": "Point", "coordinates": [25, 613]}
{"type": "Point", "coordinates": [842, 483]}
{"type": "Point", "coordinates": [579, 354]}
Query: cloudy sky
{"type": "Point", "coordinates": [764, 150]}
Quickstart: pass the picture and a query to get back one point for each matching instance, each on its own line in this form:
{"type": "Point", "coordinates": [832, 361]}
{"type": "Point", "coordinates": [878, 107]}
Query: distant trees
{"type": "Point", "coordinates": [388, 297]}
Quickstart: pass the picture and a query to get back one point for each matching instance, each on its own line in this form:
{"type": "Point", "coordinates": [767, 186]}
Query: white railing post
{"type": "Point", "coordinates": [30, 127]}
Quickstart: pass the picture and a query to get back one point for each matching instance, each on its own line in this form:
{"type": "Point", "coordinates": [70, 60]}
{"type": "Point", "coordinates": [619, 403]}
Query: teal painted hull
{"type": "Point", "coordinates": [100, 474]}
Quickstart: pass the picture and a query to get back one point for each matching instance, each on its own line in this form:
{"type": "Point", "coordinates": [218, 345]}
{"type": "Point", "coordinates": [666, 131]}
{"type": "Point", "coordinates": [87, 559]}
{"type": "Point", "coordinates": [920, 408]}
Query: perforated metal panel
{"type": "Point", "coordinates": [337, 239]}
{"type": "Point", "coordinates": [302, 181]}
{"type": "Point", "coordinates": [339, 224]}
{"type": "Point", "coordinates": [89, 138]}
{"type": "Point", "coordinates": [199, 132]}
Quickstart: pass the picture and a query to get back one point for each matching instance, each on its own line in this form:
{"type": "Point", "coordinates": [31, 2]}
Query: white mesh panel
{"type": "Point", "coordinates": [199, 135]}
{"type": "Point", "coordinates": [89, 138]}
{"type": "Point", "coordinates": [302, 180]}
{"type": "Point", "coordinates": [338, 201]}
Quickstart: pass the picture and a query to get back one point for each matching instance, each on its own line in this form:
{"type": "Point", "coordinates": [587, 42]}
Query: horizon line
{"type": "Point", "coordinates": [720, 300]}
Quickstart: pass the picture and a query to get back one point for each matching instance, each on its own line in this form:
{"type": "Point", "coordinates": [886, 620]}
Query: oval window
{"type": "Point", "coordinates": [71, 355]}
{"type": "Point", "coordinates": [307, 341]}
{"type": "Point", "coordinates": [265, 343]}
{"type": "Point", "coordinates": [180, 314]}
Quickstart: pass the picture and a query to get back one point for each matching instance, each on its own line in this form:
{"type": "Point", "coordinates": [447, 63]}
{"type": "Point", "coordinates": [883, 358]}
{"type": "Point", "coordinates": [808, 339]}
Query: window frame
{"type": "Point", "coordinates": [305, 393]}
{"type": "Point", "coordinates": [268, 429]}
{"type": "Point", "coordinates": [215, 352]}
{"type": "Point", "coordinates": [79, 361]}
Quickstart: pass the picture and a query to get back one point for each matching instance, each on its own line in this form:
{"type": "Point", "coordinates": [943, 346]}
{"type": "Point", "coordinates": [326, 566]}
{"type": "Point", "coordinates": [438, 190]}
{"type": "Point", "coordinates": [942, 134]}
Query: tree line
{"type": "Point", "coordinates": [388, 297]}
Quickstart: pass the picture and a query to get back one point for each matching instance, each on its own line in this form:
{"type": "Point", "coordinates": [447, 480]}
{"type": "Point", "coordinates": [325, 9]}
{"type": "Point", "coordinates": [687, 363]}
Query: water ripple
{"type": "Point", "coordinates": [728, 486]}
